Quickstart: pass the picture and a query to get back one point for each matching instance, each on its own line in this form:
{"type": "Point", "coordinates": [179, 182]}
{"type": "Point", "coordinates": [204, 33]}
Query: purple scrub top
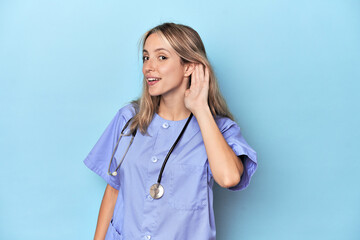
{"type": "Point", "coordinates": [185, 211]}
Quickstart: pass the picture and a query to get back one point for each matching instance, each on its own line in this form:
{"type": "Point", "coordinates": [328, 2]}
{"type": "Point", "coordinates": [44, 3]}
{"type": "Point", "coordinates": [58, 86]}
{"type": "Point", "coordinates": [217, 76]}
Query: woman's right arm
{"type": "Point", "coordinates": [106, 212]}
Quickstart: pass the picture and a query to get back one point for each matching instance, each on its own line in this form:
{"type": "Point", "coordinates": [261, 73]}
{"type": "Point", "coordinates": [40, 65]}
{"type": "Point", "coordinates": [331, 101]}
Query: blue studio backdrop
{"type": "Point", "coordinates": [289, 71]}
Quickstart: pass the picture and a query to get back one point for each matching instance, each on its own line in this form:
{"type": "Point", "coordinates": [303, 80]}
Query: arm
{"type": "Point", "coordinates": [225, 166]}
{"type": "Point", "coordinates": [106, 212]}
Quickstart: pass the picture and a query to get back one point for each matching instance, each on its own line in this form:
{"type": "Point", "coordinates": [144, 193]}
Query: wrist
{"type": "Point", "coordinates": [202, 112]}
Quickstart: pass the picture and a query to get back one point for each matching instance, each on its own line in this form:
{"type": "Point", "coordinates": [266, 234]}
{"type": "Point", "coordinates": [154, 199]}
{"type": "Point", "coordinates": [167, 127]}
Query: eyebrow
{"type": "Point", "coordinates": [156, 50]}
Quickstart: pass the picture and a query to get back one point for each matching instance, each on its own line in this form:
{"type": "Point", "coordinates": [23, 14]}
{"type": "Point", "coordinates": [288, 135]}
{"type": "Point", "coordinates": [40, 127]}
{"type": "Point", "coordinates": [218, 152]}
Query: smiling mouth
{"type": "Point", "coordinates": [152, 81]}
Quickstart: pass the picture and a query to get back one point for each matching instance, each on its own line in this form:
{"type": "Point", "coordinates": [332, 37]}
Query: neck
{"type": "Point", "coordinates": [173, 108]}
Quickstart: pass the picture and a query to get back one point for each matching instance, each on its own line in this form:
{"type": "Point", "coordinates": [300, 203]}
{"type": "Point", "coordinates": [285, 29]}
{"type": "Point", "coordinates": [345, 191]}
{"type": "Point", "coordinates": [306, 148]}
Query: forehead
{"type": "Point", "coordinates": [157, 41]}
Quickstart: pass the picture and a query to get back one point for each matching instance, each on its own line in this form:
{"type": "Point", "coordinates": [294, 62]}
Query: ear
{"type": "Point", "coordinates": [189, 68]}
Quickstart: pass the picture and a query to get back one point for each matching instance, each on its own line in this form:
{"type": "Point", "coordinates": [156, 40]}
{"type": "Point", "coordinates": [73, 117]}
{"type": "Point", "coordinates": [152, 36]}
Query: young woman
{"type": "Point", "coordinates": [176, 140]}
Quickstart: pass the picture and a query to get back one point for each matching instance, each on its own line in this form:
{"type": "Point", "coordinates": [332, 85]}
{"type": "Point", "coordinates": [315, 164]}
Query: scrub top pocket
{"type": "Point", "coordinates": [188, 187]}
{"type": "Point", "coordinates": [112, 233]}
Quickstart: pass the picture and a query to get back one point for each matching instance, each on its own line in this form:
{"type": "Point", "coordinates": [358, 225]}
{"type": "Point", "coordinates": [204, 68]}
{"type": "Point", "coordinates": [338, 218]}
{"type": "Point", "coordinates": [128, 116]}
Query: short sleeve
{"type": "Point", "coordinates": [232, 134]}
{"type": "Point", "coordinates": [98, 159]}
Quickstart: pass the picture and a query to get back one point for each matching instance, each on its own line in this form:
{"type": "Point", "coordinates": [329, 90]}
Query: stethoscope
{"type": "Point", "coordinates": [156, 190]}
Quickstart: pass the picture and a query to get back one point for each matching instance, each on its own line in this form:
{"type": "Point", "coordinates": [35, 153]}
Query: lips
{"type": "Point", "coordinates": [152, 80]}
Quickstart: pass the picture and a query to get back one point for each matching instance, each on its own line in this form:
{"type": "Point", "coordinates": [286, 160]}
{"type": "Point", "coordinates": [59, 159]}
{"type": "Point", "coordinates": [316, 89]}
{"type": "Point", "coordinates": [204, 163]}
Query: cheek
{"type": "Point", "coordinates": [143, 70]}
{"type": "Point", "coordinates": [165, 69]}
{"type": "Point", "coordinates": [171, 69]}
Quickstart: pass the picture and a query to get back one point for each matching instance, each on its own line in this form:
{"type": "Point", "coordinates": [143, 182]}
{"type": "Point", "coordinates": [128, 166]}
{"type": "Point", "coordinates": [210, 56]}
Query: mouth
{"type": "Point", "coordinates": [152, 81]}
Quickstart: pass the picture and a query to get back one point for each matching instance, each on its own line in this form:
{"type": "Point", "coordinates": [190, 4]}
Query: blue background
{"type": "Point", "coordinates": [289, 71]}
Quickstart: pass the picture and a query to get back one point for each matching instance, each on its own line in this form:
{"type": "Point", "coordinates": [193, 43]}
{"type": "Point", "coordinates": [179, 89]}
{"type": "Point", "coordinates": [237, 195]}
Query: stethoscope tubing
{"type": "Point", "coordinates": [172, 148]}
{"type": "Point", "coordinates": [116, 146]}
{"type": "Point", "coordinates": [132, 139]}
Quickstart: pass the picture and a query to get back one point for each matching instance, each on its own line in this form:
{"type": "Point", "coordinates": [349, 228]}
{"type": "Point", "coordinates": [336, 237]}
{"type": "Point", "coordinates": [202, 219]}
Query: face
{"type": "Point", "coordinates": [162, 68]}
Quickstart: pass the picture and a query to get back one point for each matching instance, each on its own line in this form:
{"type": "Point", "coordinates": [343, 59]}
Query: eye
{"type": "Point", "coordinates": [162, 57]}
{"type": "Point", "coordinates": [144, 58]}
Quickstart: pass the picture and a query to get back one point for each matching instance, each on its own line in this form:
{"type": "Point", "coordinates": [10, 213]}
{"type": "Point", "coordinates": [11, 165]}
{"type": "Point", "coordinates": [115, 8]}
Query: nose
{"type": "Point", "coordinates": [149, 65]}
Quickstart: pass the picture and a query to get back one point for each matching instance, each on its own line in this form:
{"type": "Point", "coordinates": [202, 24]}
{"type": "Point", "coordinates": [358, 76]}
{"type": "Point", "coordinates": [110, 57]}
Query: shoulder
{"type": "Point", "coordinates": [225, 123]}
{"type": "Point", "coordinates": [126, 112]}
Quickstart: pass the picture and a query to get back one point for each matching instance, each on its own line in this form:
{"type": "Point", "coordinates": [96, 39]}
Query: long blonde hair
{"type": "Point", "coordinates": [188, 45]}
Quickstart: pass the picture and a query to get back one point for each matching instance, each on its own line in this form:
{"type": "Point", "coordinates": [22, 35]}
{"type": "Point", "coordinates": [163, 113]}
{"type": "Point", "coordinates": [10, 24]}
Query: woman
{"type": "Point", "coordinates": [182, 137]}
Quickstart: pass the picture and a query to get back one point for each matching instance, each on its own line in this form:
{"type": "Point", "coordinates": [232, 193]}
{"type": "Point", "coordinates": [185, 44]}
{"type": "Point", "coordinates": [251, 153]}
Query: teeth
{"type": "Point", "coordinates": [152, 79]}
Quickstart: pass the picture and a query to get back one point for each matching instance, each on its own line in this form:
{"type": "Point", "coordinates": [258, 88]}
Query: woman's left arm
{"type": "Point", "coordinates": [225, 166]}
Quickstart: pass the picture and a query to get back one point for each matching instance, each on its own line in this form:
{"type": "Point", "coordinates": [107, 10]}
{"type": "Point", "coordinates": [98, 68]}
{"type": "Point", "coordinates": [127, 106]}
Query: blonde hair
{"type": "Point", "coordinates": [188, 45]}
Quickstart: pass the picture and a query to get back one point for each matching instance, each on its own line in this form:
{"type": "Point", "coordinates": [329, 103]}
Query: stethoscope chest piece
{"type": "Point", "coordinates": [156, 191]}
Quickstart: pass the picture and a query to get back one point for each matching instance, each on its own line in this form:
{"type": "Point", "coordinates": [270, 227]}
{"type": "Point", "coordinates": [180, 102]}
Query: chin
{"type": "Point", "coordinates": [154, 94]}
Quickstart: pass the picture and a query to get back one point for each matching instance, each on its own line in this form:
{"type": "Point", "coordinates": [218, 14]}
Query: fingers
{"type": "Point", "coordinates": [206, 74]}
{"type": "Point", "coordinates": [195, 77]}
{"type": "Point", "coordinates": [199, 72]}
{"type": "Point", "coordinates": [199, 76]}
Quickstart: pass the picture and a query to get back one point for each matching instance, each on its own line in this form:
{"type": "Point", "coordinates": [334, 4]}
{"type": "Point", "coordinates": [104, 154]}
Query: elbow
{"type": "Point", "coordinates": [230, 181]}
{"type": "Point", "coordinates": [233, 179]}
{"type": "Point", "coordinates": [232, 176]}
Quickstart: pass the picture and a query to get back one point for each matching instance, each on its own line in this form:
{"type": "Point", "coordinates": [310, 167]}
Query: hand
{"type": "Point", "coordinates": [196, 97]}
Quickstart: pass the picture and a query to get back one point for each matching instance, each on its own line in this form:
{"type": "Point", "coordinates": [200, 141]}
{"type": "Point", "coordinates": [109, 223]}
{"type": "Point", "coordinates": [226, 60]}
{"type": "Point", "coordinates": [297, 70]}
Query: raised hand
{"type": "Point", "coordinates": [196, 97]}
